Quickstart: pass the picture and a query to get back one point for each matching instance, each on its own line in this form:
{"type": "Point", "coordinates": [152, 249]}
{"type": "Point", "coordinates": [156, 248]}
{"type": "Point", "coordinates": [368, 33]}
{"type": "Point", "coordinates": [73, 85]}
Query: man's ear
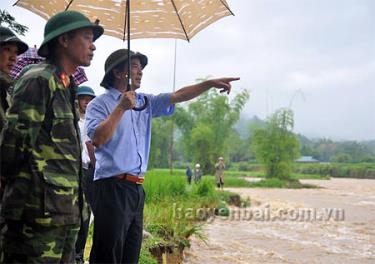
{"type": "Point", "coordinates": [63, 40]}
{"type": "Point", "coordinates": [116, 73]}
{"type": "Point", "coordinates": [119, 74]}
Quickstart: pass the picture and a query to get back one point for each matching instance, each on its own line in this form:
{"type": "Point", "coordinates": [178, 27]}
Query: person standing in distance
{"type": "Point", "coordinates": [219, 173]}
{"type": "Point", "coordinates": [189, 174]}
{"type": "Point", "coordinates": [197, 173]}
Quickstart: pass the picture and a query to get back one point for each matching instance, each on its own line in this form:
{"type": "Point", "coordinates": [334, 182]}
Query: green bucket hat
{"type": "Point", "coordinates": [64, 22]}
{"type": "Point", "coordinates": [118, 57]}
{"type": "Point", "coordinates": [8, 37]}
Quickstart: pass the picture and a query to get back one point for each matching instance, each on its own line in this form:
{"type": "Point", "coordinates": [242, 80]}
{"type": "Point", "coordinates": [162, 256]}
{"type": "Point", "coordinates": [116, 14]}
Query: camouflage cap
{"type": "Point", "coordinates": [118, 57]}
{"type": "Point", "coordinates": [8, 37]}
{"type": "Point", "coordinates": [64, 22]}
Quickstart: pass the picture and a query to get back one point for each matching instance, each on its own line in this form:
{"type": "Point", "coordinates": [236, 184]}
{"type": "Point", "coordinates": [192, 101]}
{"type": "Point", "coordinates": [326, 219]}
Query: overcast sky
{"type": "Point", "coordinates": [316, 56]}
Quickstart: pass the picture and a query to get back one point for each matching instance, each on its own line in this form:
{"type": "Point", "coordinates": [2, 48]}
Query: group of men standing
{"type": "Point", "coordinates": [219, 173]}
{"type": "Point", "coordinates": [51, 153]}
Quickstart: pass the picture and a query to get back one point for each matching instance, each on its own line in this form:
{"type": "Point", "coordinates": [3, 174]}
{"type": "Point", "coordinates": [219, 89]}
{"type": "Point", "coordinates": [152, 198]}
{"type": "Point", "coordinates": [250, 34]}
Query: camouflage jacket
{"type": "Point", "coordinates": [5, 87]}
{"type": "Point", "coordinates": [41, 152]}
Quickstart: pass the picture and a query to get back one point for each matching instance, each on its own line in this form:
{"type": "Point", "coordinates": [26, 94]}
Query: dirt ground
{"type": "Point", "coordinates": [332, 224]}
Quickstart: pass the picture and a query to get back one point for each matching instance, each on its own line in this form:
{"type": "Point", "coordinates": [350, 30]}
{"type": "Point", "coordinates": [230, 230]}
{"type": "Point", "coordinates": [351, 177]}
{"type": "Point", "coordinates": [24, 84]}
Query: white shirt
{"type": "Point", "coordinates": [84, 139]}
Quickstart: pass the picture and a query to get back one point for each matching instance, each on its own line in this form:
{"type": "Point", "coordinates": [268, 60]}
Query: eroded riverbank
{"type": "Point", "coordinates": [295, 240]}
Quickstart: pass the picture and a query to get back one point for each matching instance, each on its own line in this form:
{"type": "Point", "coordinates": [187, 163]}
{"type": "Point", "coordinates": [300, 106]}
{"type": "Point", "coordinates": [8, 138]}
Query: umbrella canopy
{"type": "Point", "coordinates": [179, 19]}
{"type": "Point", "coordinates": [125, 19]}
{"type": "Point", "coordinates": [31, 57]}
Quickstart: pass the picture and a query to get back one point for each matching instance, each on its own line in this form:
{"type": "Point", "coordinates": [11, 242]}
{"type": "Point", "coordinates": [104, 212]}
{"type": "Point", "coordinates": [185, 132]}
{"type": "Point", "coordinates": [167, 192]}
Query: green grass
{"type": "Point", "coordinates": [159, 186]}
{"type": "Point", "coordinates": [302, 171]}
{"type": "Point", "coordinates": [236, 182]}
{"type": "Point", "coordinates": [309, 170]}
{"type": "Point", "coordinates": [146, 257]}
{"type": "Point", "coordinates": [278, 183]}
{"type": "Point", "coordinates": [302, 176]}
{"type": "Point", "coordinates": [231, 173]}
{"type": "Point", "coordinates": [294, 175]}
{"type": "Point", "coordinates": [338, 169]}
{"type": "Point", "coordinates": [175, 210]}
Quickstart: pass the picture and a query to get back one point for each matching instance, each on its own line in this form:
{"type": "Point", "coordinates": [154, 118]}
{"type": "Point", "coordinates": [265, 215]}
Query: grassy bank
{"type": "Point", "coordinates": [237, 179]}
{"type": "Point", "coordinates": [175, 210]}
{"type": "Point", "coordinates": [310, 170]}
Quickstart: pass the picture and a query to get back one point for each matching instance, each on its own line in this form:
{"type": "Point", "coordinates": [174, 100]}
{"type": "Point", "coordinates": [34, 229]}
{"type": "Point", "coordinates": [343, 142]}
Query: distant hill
{"type": "Point", "coordinates": [322, 149]}
{"type": "Point", "coordinates": [244, 124]}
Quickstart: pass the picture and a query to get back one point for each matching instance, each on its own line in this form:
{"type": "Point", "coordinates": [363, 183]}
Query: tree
{"type": "Point", "coordinates": [238, 148]}
{"type": "Point", "coordinates": [160, 142]}
{"type": "Point", "coordinates": [8, 19]}
{"type": "Point", "coordinates": [276, 146]}
{"type": "Point", "coordinates": [341, 158]}
{"type": "Point", "coordinates": [206, 124]}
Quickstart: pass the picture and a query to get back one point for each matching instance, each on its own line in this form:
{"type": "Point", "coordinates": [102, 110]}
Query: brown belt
{"type": "Point", "coordinates": [131, 178]}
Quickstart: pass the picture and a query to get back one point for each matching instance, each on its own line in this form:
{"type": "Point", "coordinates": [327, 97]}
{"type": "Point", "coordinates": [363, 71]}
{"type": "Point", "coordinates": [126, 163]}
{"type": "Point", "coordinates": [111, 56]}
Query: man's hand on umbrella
{"type": "Point", "coordinates": [223, 83]}
{"type": "Point", "coordinates": [127, 100]}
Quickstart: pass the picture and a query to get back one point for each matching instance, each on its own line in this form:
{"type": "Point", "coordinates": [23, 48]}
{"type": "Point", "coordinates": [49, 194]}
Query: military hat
{"type": "Point", "coordinates": [85, 90]}
{"type": "Point", "coordinates": [118, 57]}
{"type": "Point", "coordinates": [8, 37]}
{"type": "Point", "coordinates": [64, 22]}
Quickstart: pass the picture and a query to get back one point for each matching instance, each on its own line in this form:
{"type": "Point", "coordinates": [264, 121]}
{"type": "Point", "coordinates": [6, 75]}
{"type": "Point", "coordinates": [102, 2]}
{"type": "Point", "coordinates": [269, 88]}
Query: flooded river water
{"type": "Point", "coordinates": [332, 224]}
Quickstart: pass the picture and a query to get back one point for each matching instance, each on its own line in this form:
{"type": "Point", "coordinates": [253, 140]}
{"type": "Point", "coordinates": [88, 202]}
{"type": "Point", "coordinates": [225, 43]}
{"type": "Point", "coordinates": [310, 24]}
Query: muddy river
{"type": "Point", "coordinates": [332, 224]}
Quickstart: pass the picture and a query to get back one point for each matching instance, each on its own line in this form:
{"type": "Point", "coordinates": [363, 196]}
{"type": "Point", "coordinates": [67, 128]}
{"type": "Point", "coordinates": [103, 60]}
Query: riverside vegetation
{"type": "Point", "coordinates": [170, 232]}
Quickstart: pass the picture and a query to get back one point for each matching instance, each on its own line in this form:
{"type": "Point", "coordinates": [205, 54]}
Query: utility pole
{"type": "Point", "coordinates": [171, 143]}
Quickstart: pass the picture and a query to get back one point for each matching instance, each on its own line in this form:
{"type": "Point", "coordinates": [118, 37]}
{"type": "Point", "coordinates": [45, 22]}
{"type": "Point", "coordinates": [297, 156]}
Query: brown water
{"type": "Point", "coordinates": [339, 229]}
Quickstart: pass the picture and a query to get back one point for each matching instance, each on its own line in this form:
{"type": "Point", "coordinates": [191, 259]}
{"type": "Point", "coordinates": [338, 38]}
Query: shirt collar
{"type": "Point", "coordinates": [116, 94]}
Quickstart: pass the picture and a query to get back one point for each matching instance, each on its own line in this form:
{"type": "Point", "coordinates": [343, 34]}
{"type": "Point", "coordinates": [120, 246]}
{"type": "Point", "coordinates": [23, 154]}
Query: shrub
{"type": "Point", "coordinates": [204, 188]}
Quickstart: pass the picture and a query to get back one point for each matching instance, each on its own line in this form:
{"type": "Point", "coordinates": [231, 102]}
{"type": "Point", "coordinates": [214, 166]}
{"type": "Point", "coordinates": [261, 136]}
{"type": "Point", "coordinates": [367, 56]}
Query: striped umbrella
{"type": "Point", "coordinates": [31, 57]}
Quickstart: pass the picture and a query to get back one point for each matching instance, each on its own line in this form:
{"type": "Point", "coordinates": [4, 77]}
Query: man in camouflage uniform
{"type": "Point", "coordinates": [41, 203]}
{"type": "Point", "coordinates": [10, 47]}
{"type": "Point", "coordinates": [219, 173]}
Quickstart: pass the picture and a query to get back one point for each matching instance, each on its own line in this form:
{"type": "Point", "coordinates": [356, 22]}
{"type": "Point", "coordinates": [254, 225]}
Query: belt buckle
{"type": "Point", "coordinates": [133, 179]}
{"type": "Point", "coordinates": [139, 181]}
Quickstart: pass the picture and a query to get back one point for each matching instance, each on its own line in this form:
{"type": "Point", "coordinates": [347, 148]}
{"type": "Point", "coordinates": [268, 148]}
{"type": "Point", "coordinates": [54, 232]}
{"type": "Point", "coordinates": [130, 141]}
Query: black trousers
{"type": "Point", "coordinates": [88, 190]}
{"type": "Point", "coordinates": [118, 225]}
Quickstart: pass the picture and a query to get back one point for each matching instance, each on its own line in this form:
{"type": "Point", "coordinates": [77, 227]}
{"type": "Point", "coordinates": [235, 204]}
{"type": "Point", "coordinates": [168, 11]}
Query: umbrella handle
{"type": "Point", "coordinates": [127, 19]}
{"type": "Point", "coordinates": [143, 107]}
